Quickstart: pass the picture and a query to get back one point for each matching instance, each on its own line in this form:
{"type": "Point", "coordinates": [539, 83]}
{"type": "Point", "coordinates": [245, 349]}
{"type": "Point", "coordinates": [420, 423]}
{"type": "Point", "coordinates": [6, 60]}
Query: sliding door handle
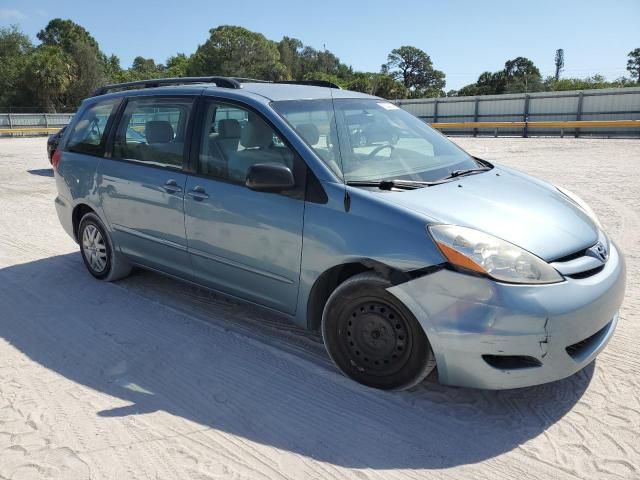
{"type": "Point", "coordinates": [172, 187]}
{"type": "Point", "coordinates": [198, 193]}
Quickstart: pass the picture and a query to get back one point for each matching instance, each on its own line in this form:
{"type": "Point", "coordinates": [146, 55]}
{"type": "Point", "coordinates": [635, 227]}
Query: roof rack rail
{"type": "Point", "coordinates": [313, 83]}
{"type": "Point", "coordinates": [250, 80]}
{"type": "Point", "coordinates": [225, 82]}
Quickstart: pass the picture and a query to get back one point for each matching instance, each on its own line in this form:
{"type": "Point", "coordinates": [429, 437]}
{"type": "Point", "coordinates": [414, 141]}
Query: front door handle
{"type": "Point", "coordinates": [171, 186]}
{"type": "Point", "coordinates": [198, 193]}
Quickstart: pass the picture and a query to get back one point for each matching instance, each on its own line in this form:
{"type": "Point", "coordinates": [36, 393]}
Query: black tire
{"type": "Point", "coordinates": [373, 338]}
{"type": "Point", "coordinates": [115, 265]}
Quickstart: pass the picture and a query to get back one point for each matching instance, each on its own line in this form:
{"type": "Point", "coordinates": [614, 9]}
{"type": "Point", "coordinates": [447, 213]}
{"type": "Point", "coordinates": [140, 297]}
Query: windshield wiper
{"type": "Point", "coordinates": [464, 171]}
{"type": "Point", "coordinates": [390, 184]}
{"type": "Point", "coordinates": [413, 184]}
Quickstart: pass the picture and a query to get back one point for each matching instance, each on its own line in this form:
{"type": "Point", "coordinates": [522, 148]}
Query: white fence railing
{"type": "Point", "coordinates": [608, 104]}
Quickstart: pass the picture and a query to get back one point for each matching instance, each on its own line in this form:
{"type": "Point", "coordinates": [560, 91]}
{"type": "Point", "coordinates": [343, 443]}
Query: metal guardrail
{"type": "Point", "coordinates": [531, 109]}
{"type": "Point", "coordinates": [32, 123]}
{"type": "Point", "coordinates": [29, 130]}
{"type": "Point", "coordinates": [524, 126]}
{"type": "Point", "coordinates": [547, 125]}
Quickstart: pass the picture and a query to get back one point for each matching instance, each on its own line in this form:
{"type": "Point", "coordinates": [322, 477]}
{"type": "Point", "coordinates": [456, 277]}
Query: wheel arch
{"type": "Point", "coordinates": [331, 278]}
{"type": "Point", "coordinates": [79, 211]}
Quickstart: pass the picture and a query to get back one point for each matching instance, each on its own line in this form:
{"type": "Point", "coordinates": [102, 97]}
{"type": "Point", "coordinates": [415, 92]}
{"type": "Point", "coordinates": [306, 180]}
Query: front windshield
{"type": "Point", "coordinates": [373, 140]}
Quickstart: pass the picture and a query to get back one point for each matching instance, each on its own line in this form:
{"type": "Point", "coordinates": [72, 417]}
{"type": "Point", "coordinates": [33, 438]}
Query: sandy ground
{"type": "Point", "coordinates": [152, 379]}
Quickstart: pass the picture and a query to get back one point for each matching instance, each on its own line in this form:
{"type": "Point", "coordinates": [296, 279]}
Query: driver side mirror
{"type": "Point", "coordinates": [270, 177]}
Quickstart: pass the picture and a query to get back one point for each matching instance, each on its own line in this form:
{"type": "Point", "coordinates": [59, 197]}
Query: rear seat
{"type": "Point", "coordinates": [160, 143]}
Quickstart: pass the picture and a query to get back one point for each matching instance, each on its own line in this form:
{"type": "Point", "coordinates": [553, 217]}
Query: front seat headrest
{"type": "Point", "coordinates": [256, 134]}
{"type": "Point", "coordinates": [158, 131]}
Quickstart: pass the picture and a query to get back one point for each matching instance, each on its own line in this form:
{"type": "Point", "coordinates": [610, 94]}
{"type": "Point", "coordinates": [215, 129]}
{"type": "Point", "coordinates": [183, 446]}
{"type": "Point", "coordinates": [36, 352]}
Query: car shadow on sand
{"type": "Point", "coordinates": [112, 339]}
{"type": "Point", "coordinates": [42, 172]}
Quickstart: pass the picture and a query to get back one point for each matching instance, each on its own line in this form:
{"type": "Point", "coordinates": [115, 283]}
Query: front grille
{"type": "Point", "coordinates": [587, 274]}
{"type": "Point", "coordinates": [572, 256]}
{"type": "Point", "coordinates": [581, 264]}
{"type": "Point", "coordinates": [585, 346]}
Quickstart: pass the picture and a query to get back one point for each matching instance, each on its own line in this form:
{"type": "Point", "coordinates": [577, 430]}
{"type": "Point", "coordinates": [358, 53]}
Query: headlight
{"type": "Point", "coordinates": [483, 253]}
{"type": "Point", "coordinates": [582, 204]}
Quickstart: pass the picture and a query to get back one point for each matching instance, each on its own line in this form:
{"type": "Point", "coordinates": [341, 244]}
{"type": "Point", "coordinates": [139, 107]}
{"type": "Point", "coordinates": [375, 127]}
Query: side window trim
{"type": "Point", "coordinates": [187, 151]}
{"type": "Point", "coordinates": [114, 124]}
{"type": "Point", "coordinates": [197, 119]}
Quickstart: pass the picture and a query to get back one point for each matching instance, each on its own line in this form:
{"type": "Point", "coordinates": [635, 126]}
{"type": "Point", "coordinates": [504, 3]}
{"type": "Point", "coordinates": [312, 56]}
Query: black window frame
{"type": "Point", "coordinates": [103, 146]}
{"type": "Point", "coordinates": [301, 170]}
{"type": "Point", "coordinates": [188, 137]}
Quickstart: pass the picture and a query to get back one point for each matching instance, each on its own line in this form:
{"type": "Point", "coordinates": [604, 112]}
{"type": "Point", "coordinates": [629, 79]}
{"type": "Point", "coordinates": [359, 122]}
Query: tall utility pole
{"type": "Point", "coordinates": [559, 62]}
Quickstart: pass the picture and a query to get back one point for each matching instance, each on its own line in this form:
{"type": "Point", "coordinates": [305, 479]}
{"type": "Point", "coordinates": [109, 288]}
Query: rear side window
{"type": "Point", "coordinates": [88, 133]}
{"type": "Point", "coordinates": [153, 131]}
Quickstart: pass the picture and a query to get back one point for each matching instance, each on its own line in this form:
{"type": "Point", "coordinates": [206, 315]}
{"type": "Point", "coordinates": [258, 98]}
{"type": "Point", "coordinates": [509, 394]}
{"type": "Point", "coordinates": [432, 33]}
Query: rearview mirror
{"type": "Point", "coordinates": [270, 177]}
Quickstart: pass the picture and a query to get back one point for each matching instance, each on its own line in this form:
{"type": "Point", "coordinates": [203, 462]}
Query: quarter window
{"type": "Point", "coordinates": [88, 134]}
{"type": "Point", "coordinates": [153, 131]}
{"type": "Point", "coordinates": [234, 139]}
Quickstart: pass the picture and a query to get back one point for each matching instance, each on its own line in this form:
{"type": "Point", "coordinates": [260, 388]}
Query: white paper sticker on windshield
{"type": "Point", "coordinates": [388, 106]}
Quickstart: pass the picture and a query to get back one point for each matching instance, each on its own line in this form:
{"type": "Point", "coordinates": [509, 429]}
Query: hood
{"type": "Point", "coordinates": [510, 205]}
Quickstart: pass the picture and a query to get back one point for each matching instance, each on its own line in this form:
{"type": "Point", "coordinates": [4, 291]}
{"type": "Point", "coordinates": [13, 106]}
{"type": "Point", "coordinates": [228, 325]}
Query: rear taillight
{"type": "Point", "coordinates": [55, 159]}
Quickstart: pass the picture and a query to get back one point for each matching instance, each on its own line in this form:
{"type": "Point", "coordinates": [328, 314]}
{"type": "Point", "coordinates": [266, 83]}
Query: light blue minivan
{"type": "Point", "coordinates": [350, 216]}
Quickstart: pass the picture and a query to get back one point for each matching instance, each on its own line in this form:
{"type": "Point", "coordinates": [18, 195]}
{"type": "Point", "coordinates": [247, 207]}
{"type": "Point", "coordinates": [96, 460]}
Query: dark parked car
{"type": "Point", "coordinates": [53, 141]}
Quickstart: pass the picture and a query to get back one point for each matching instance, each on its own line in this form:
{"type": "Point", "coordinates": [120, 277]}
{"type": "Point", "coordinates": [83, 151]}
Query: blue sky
{"type": "Point", "coordinates": [463, 37]}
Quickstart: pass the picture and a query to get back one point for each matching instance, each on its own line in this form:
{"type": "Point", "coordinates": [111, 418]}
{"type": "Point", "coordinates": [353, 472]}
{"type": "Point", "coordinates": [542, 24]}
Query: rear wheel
{"type": "Point", "coordinates": [373, 338]}
{"type": "Point", "coordinates": [98, 254]}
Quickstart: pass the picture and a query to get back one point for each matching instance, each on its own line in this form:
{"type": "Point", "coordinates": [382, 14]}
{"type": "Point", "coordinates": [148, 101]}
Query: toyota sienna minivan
{"type": "Point", "coordinates": [406, 252]}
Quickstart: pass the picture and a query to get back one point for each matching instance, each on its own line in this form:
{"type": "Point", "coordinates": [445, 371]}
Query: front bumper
{"type": "Point", "coordinates": [467, 318]}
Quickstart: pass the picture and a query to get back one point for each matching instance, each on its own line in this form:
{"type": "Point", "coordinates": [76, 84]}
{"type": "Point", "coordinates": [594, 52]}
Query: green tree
{"type": "Point", "coordinates": [491, 83]}
{"type": "Point", "coordinates": [588, 83]}
{"type": "Point", "coordinates": [177, 65]}
{"type": "Point", "coordinates": [633, 64]}
{"type": "Point", "coordinates": [91, 68]}
{"type": "Point", "coordinates": [15, 46]}
{"type": "Point", "coordinates": [414, 68]}
{"type": "Point", "coordinates": [518, 75]}
{"type": "Point", "coordinates": [521, 75]}
{"type": "Point", "coordinates": [290, 50]}
{"type": "Point", "coordinates": [65, 34]}
{"type": "Point", "coordinates": [143, 68]}
{"type": "Point", "coordinates": [361, 82]}
{"type": "Point", "coordinates": [88, 73]}
{"type": "Point", "coordinates": [327, 77]}
{"type": "Point", "coordinates": [559, 62]}
{"type": "Point", "coordinates": [378, 84]}
{"type": "Point", "coordinates": [236, 51]}
{"type": "Point", "coordinates": [114, 72]}
{"type": "Point", "coordinates": [48, 74]}
{"type": "Point", "coordinates": [386, 87]}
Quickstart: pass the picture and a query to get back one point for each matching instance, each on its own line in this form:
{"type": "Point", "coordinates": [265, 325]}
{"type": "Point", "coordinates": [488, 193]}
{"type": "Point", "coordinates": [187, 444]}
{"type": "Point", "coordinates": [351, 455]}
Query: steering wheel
{"type": "Point", "coordinates": [376, 150]}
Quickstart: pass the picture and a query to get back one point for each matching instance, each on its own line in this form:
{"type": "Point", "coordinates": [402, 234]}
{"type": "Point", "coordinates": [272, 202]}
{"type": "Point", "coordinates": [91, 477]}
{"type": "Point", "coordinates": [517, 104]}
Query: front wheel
{"type": "Point", "coordinates": [373, 338]}
{"type": "Point", "coordinates": [98, 254]}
